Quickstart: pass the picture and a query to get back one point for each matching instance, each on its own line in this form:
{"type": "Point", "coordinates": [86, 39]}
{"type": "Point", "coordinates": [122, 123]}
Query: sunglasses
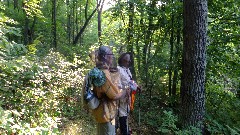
{"type": "Point", "coordinates": [109, 54]}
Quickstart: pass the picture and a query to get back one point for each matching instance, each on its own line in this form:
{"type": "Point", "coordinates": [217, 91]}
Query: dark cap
{"type": "Point", "coordinates": [103, 50]}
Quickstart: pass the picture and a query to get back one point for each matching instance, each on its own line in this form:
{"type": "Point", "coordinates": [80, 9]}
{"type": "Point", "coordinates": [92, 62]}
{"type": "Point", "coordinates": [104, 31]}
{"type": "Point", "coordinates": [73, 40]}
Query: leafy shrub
{"type": "Point", "coordinates": [40, 91]}
{"type": "Point", "coordinates": [223, 109]}
{"type": "Point", "coordinates": [168, 122]}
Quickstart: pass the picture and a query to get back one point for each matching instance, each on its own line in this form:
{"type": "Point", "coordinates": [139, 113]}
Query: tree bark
{"type": "Point", "coordinates": [73, 15]}
{"type": "Point", "coordinates": [26, 26]}
{"type": "Point", "coordinates": [171, 57]}
{"type": "Point", "coordinates": [54, 27]}
{"type": "Point", "coordinates": [15, 4]}
{"type": "Point", "coordinates": [147, 43]}
{"type": "Point", "coordinates": [26, 31]}
{"type": "Point", "coordinates": [177, 65]}
{"type": "Point", "coordinates": [130, 36]}
{"type": "Point", "coordinates": [31, 30]}
{"type": "Point", "coordinates": [68, 22]}
{"type": "Point", "coordinates": [194, 63]}
{"type": "Point", "coordinates": [100, 22]}
{"type": "Point", "coordinates": [76, 19]}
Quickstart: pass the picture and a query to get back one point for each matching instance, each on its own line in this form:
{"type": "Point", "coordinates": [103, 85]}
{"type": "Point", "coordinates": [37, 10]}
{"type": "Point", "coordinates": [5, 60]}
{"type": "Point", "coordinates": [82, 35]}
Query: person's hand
{"type": "Point", "coordinates": [133, 85]}
{"type": "Point", "coordinates": [139, 89]}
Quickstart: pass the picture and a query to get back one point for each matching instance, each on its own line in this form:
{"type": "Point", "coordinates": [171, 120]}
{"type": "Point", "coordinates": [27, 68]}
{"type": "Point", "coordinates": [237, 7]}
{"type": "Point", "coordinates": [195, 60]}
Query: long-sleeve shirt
{"type": "Point", "coordinates": [125, 78]}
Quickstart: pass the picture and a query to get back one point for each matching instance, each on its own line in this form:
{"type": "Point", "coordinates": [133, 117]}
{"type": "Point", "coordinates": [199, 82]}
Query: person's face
{"type": "Point", "coordinates": [126, 60]}
{"type": "Point", "coordinates": [109, 57]}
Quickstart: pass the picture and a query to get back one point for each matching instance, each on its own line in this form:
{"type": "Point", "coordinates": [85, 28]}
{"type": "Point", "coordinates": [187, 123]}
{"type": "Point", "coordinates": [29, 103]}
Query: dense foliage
{"type": "Point", "coordinates": [40, 86]}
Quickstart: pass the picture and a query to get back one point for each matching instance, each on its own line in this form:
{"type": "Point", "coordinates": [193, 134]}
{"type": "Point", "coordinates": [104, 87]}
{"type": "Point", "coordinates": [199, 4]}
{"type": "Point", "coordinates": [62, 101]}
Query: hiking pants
{"type": "Point", "coordinates": [105, 128]}
{"type": "Point", "coordinates": [123, 125]}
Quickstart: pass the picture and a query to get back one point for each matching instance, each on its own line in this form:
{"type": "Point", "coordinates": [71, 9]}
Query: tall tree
{"type": "Point", "coordinates": [26, 25]}
{"type": "Point", "coordinates": [194, 62]}
{"type": "Point", "coordinates": [171, 55]}
{"type": "Point", "coordinates": [68, 22]}
{"type": "Point", "coordinates": [88, 18]}
{"type": "Point", "coordinates": [15, 4]}
{"type": "Point", "coordinates": [148, 40]}
{"type": "Point", "coordinates": [54, 25]}
{"type": "Point", "coordinates": [130, 35]}
{"type": "Point", "coordinates": [73, 15]}
{"type": "Point", "coordinates": [176, 61]}
{"type": "Point", "coordinates": [100, 22]}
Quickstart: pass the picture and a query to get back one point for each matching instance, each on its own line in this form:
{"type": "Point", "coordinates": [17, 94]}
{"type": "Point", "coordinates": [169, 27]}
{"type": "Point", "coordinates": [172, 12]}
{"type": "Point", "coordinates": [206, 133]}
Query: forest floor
{"type": "Point", "coordinates": [84, 124]}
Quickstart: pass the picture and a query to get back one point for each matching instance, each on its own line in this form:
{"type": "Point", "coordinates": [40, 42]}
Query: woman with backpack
{"type": "Point", "coordinates": [106, 92]}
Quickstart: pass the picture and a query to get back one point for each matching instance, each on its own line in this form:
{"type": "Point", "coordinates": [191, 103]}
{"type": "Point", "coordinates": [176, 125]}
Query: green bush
{"type": "Point", "coordinates": [222, 108]}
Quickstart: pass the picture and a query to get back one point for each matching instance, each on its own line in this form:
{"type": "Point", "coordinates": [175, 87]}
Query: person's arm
{"type": "Point", "coordinates": [113, 92]}
{"type": "Point", "coordinates": [120, 95]}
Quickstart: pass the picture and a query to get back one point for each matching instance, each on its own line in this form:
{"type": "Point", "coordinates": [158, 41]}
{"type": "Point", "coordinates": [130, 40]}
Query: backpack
{"type": "Point", "coordinates": [95, 77]}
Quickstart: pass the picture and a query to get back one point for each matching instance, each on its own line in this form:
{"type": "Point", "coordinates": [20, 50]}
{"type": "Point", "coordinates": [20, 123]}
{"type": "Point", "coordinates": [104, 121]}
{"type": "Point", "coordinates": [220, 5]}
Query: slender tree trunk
{"type": "Point", "coordinates": [31, 31]}
{"type": "Point", "coordinates": [85, 23]}
{"type": "Point", "coordinates": [73, 15]}
{"type": "Point", "coordinates": [68, 22]}
{"type": "Point", "coordinates": [8, 3]}
{"type": "Point", "coordinates": [130, 36]}
{"type": "Point", "coordinates": [54, 27]}
{"type": "Point", "coordinates": [148, 42]}
{"type": "Point", "coordinates": [100, 22]}
{"type": "Point", "coordinates": [76, 19]}
{"type": "Point", "coordinates": [139, 53]}
{"type": "Point", "coordinates": [80, 23]}
{"type": "Point", "coordinates": [194, 63]}
{"type": "Point", "coordinates": [171, 57]}
{"type": "Point", "coordinates": [26, 31]}
{"type": "Point", "coordinates": [15, 4]}
{"type": "Point", "coordinates": [26, 26]}
{"type": "Point", "coordinates": [176, 69]}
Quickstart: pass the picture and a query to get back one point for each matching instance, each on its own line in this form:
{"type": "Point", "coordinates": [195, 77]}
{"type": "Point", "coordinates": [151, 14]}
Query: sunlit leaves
{"type": "Point", "coordinates": [32, 8]}
{"type": "Point", "coordinates": [41, 89]}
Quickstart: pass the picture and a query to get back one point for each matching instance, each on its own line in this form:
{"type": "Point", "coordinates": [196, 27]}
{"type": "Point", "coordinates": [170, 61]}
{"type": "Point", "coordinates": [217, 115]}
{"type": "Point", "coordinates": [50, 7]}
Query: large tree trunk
{"type": "Point", "coordinates": [54, 27]}
{"type": "Point", "coordinates": [194, 63]}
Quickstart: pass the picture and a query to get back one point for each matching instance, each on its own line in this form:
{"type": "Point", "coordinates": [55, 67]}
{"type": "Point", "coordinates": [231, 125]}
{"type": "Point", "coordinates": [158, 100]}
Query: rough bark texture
{"type": "Point", "coordinates": [194, 62]}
